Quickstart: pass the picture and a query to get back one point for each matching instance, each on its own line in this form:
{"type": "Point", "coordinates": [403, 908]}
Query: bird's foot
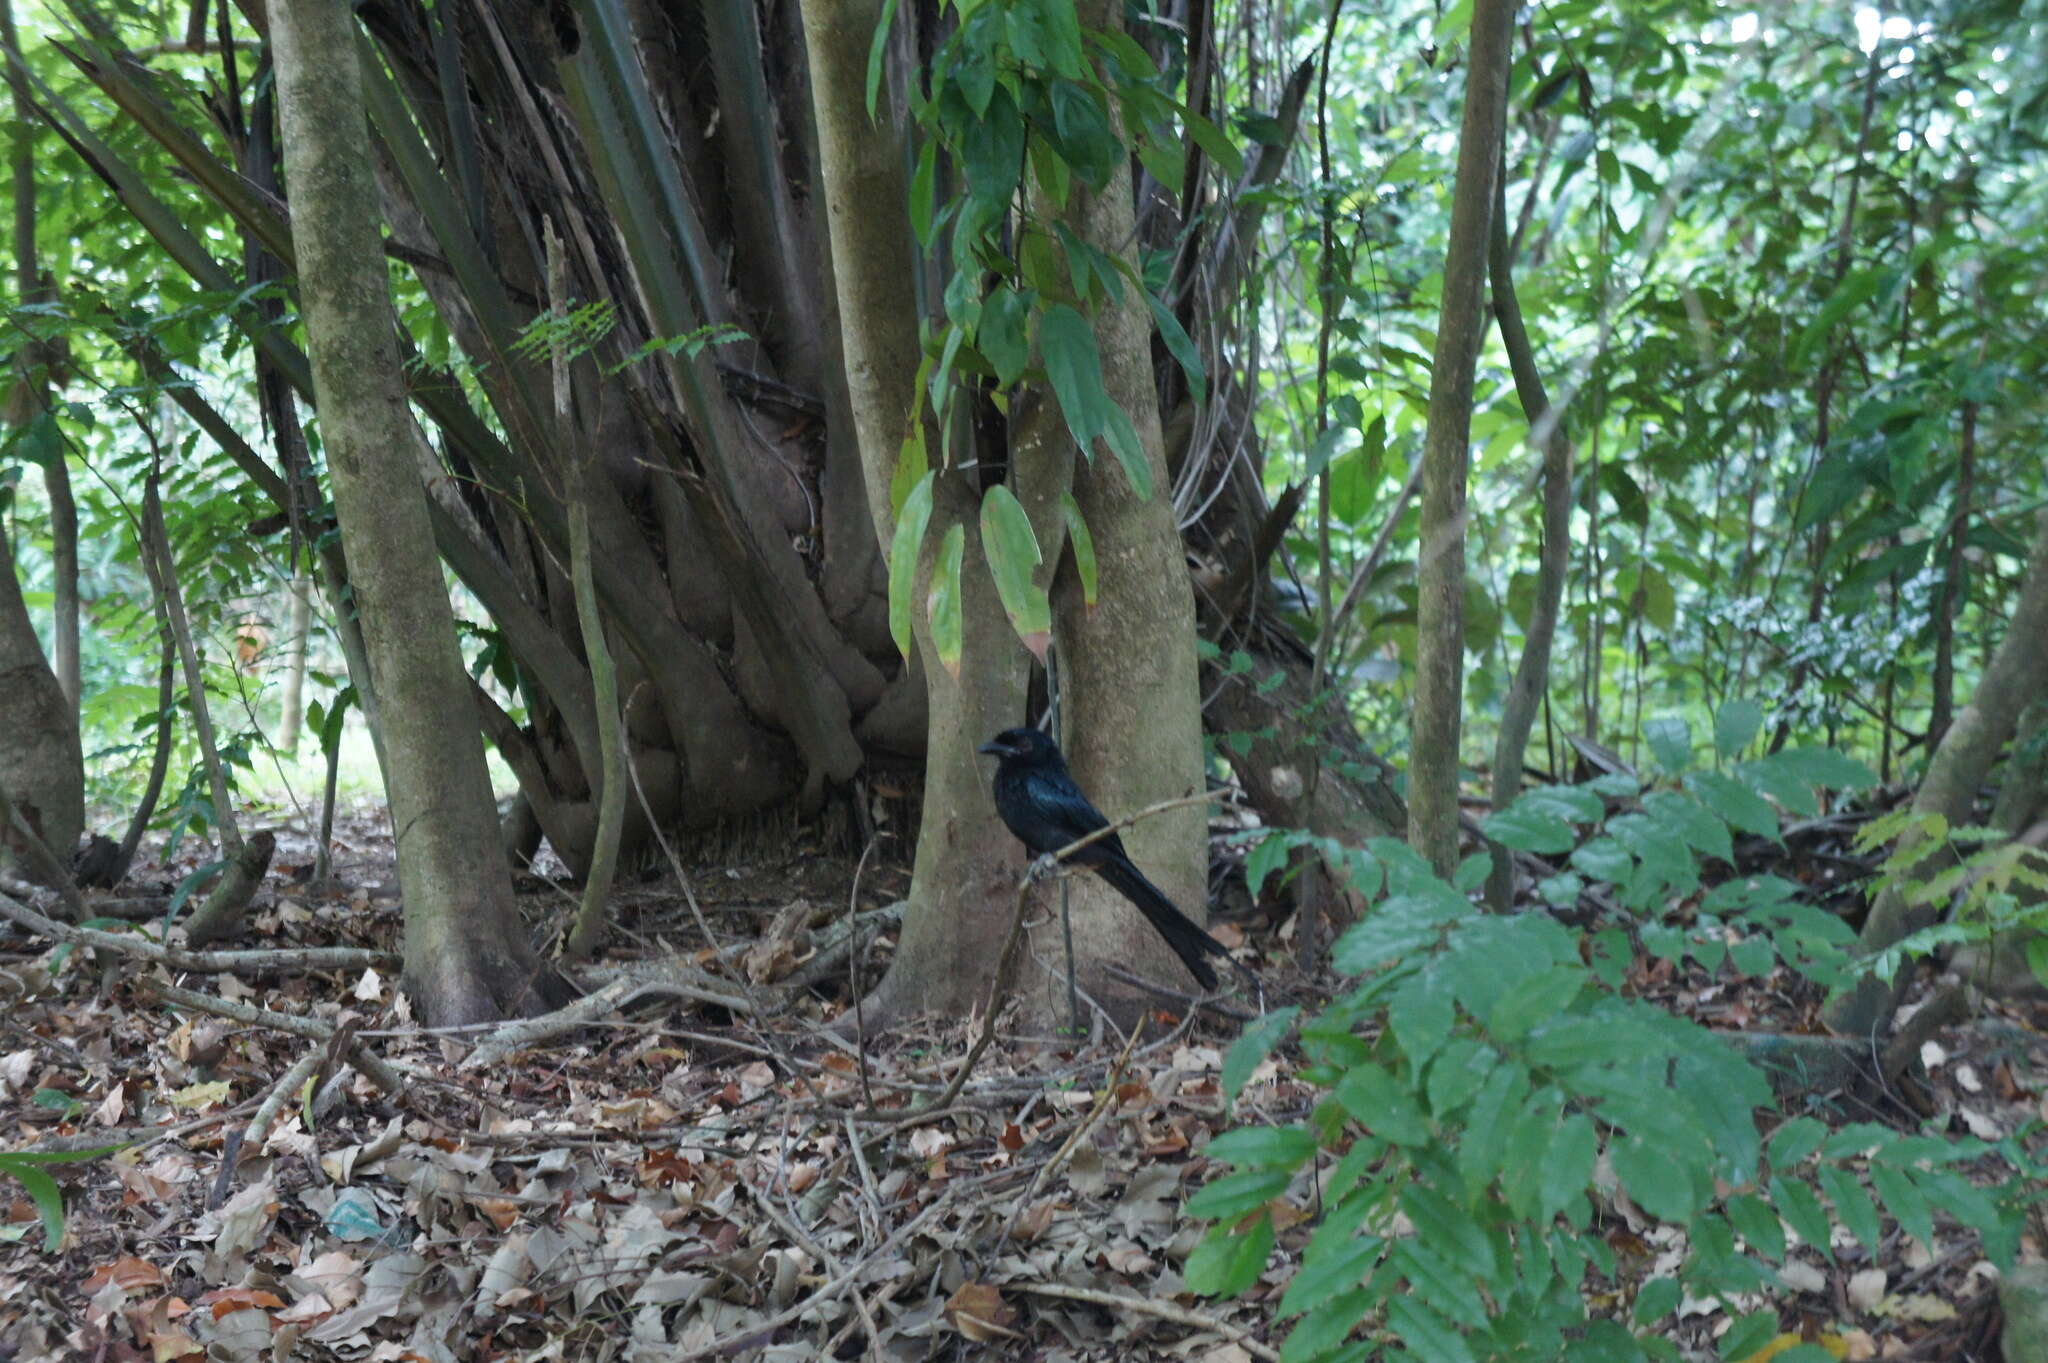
{"type": "Point", "coordinates": [1044, 866]}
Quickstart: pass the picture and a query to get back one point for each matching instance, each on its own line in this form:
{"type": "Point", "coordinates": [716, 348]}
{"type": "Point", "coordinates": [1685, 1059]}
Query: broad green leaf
{"type": "Point", "coordinates": [944, 601]}
{"type": "Point", "coordinates": [921, 191]}
{"type": "Point", "coordinates": [1904, 1200]}
{"type": "Point", "coordinates": [1567, 1165]}
{"type": "Point", "coordinates": [1654, 1176]}
{"type": "Point", "coordinates": [1691, 821]}
{"type": "Point", "coordinates": [1228, 1262]}
{"type": "Point", "coordinates": [903, 549]}
{"type": "Point", "coordinates": [1252, 1046]}
{"type": "Point", "coordinates": [1742, 808]}
{"type": "Point", "coordinates": [1235, 1194]}
{"type": "Point", "coordinates": [1013, 557]}
{"type": "Point", "coordinates": [1083, 545]}
{"type": "Point", "coordinates": [1670, 743]}
{"type": "Point", "coordinates": [1794, 1140]}
{"type": "Point", "coordinates": [43, 1194]}
{"type": "Point", "coordinates": [1852, 1205]}
{"type": "Point", "coordinates": [878, 49]}
{"type": "Point", "coordinates": [1528, 828]}
{"type": "Point", "coordinates": [1758, 1225]}
{"type": "Point", "coordinates": [1427, 1335]}
{"type": "Point", "coordinates": [1179, 345]}
{"type": "Point", "coordinates": [1074, 367]}
{"type": "Point", "coordinates": [1450, 1229]}
{"type": "Point", "coordinates": [912, 464]}
{"type": "Point", "coordinates": [1382, 1105]}
{"type": "Point", "coordinates": [1324, 1275]}
{"type": "Point", "coordinates": [1263, 1147]}
{"type": "Point", "coordinates": [1212, 140]}
{"type": "Point", "coordinates": [1801, 1208]}
{"type": "Point", "coordinates": [1735, 723]}
{"type": "Point", "coordinates": [1748, 1335]}
{"type": "Point", "coordinates": [1002, 338]}
{"type": "Point", "coordinates": [1268, 854]}
{"type": "Point", "coordinates": [1822, 767]}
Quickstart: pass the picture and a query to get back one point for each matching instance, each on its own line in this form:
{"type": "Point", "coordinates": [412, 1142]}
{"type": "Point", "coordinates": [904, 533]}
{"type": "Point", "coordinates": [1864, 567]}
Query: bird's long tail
{"type": "Point", "coordinates": [1189, 942]}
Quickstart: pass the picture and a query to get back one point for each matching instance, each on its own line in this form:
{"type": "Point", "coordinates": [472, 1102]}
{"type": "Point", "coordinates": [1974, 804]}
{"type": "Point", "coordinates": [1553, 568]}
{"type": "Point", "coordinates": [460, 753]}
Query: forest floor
{"type": "Point", "coordinates": [685, 1182]}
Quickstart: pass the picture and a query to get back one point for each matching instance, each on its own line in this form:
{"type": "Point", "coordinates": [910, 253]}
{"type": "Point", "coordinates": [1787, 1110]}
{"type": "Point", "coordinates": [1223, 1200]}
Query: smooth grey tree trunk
{"type": "Point", "coordinates": [967, 863]}
{"type": "Point", "coordinates": [467, 958]}
{"type": "Point", "coordinates": [1461, 326]}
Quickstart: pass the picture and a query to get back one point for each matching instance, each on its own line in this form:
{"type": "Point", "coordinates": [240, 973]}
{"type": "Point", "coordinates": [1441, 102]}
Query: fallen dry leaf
{"type": "Point", "coordinates": [979, 1313]}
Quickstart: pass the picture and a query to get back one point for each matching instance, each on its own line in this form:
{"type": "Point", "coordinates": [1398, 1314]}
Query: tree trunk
{"type": "Point", "coordinates": [1547, 432]}
{"type": "Point", "coordinates": [41, 765]}
{"type": "Point", "coordinates": [1461, 326]}
{"type": "Point", "coordinates": [967, 863]}
{"type": "Point", "coordinates": [1131, 706]}
{"type": "Point", "coordinates": [2016, 677]}
{"type": "Point", "coordinates": [299, 627]}
{"type": "Point", "coordinates": [467, 958]}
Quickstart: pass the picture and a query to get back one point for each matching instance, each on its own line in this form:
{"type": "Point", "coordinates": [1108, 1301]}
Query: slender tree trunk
{"type": "Point", "coordinates": [299, 627]}
{"type": "Point", "coordinates": [1461, 326]}
{"type": "Point", "coordinates": [1546, 430]}
{"type": "Point", "coordinates": [966, 860]}
{"type": "Point", "coordinates": [1949, 604]}
{"type": "Point", "coordinates": [1128, 688]}
{"type": "Point", "coordinates": [2016, 676]}
{"type": "Point", "coordinates": [467, 958]}
{"type": "Point", "coordinates": [36, 378]}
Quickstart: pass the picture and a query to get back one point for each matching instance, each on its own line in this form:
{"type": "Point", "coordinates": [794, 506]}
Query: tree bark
{"type": "Point", "coordinates": [467, 958]}
{"type": "Point", "coordinates": [2016, 677]}
{"type": "Point", "coordinates": [966, 860]}
{"type": "Point", "coordinates": [1461, 326]}
{"type": "Point", "coordinates": [299, 627]}
{"type": "Point", "coordinates": [1132, 707]}
{"type": "Point", "coordinates": [1546, 430]}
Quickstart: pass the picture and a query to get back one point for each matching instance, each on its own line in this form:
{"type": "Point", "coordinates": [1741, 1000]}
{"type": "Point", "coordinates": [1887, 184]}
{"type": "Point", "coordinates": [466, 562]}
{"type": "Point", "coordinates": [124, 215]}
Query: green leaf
{"type": "Point", "coordinates": [43, 1194]}
{"type": "Point", "coordinates": [1735, 724]}
{"type": "Point", "coordinates": [1382, 1106]}
{"type": "Point", "coordinates": [1002, 337]}
{"type": "Point", "coordinates": [1655, 1178]}
{"type": "Point", "coordinates": [1657, 1299]}
{"type": "Point", "coordinates": [1268, 854]}
{"type": "Point", "coordinates": [1822, 767]}
{"type": "Point", "coordinates": [1534, 999]}
{"type": "Point", "coordinates": [910, 527]}
{"type": "Point", "coordinates": [1420, 1014]}
{"type": "Point", "coordinates": [1212, 140]}
{"type": "Point", "coordinates": [1567, 1165]}
{"type": "Point", "coordinates": [1074, 367]}
{"type": "Point", "coordinates": [878, 48]}
{"type": "Point", "coordinates": [1228, 1262]}
{"type": "Point", "coordinates": [1263, 1147]}
{"type": "Point", "coordinates": [1758, 1225]}
{"type": "Point", "coordinates": [912, 464]}
{"type": "Point", "coordinates": [1749, 1334]}
{"type": "Point", "coordinates": [1233, 1195]}
{"type": "Point", "coordinates": [1670, 741]}
{"type": "Point", "coordinates": [1907, 1204]}
{"type": "Point", "coordinates": [1794, 1140]}
{"type": "Point", "coordinates": [1324, 1275]}
{"type": "Point", "coordinates": [1252, 1046]}
{"type": "Point", "coordinates": [1083, 545]}
{"type": "Point", "coordinates": [1427, 1335]}
{"type": "Point", "coordinates": [921, 192]}
{"type": "Point", "coordinates": [1450, 1229]}
{"type": "Point", "coordinates": [1852, 1205]}
{"type": "Point", "coordinates": [944, 601]}
{"type": "Point", "coordinates": [1856, 288]}
{"type": "Point", "coordinates": [1742, 808]}
{"type": "Point", "coordinates": [1800, 1209]}
{"type": "Point", "coordinates": [1179, 345]}
{"type": "Point", "coordinates": [1691, 822]}
{"type": "Point", "coordinates": [1529, 828]}
{"type": "Point", "coordinates": [1012, 558]}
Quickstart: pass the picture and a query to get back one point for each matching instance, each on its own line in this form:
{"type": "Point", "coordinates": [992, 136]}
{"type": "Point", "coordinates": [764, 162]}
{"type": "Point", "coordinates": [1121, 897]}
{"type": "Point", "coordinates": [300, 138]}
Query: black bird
{"type": "Point", "coordinates": [1040, 803]}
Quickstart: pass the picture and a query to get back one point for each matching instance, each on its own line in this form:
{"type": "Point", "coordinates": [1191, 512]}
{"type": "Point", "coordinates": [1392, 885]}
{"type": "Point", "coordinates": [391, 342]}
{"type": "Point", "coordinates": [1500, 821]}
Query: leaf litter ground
{"type": "Point", "coordinates": [679, 1183]}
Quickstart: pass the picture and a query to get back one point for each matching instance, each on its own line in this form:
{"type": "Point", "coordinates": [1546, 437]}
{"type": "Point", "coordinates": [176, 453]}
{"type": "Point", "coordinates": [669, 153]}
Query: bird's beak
{"type": "Point", "coordinates": [996, 748]}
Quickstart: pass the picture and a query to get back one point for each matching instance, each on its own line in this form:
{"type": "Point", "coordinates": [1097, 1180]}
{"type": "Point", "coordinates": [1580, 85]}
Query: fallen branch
{"type": "Point", "coordinates": [378, 1070]}
{"type": "Point", "coordinates": [663, 978]}
{"type": "Point", "coordinates": [199, 962]}
{"type": "Point", "coordinates": [1149, 1306]}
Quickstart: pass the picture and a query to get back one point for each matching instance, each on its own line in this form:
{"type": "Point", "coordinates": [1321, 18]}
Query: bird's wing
{"type": "Point", "coordinates": [1058, 800]}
